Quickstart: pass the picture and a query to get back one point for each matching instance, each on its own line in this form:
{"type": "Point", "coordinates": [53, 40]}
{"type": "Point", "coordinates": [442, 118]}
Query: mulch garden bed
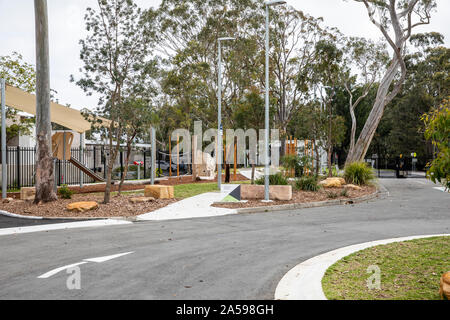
{"type": "Point", "coordinates": [305, 197]}
{"type": "Point", "coordinates": [174, 181]}
{"type": "Point", "coordinates": [118, 207]}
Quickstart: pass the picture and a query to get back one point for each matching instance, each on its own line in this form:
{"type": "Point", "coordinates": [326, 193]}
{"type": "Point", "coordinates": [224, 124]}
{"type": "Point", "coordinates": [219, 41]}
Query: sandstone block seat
{"type": "Point", "coordinates": [279, 193]}
{"type": "Point", "coordinates": [160, 192]}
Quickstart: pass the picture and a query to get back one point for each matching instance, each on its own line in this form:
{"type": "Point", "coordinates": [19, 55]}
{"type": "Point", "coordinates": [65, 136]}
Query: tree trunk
{"type": "Point", "coordinates": [353, 132]}
{"type": "Point", "coordinates": [330, 164]}
{"type": "Point", "coordinates": [111, 160]}
{"type": "Point", "coordinates": [44, 158]}
{"type": "Point", "coordinates": [125, 173]}
{"type": "Point", "coordinates": [253, 173]}
{"type": "Point", "coordinates": [317, 158]}
{"type": "Point", "coordinates": [366, 137]}
{"type": "Point", "coordinates": [227, 173]}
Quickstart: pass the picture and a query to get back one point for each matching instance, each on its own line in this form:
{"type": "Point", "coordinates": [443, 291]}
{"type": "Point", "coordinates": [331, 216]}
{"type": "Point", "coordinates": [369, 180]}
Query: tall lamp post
{"type": "Point", "coordinates": [220, 132]}
{"type": "Point", "coordinates": [267, 133]}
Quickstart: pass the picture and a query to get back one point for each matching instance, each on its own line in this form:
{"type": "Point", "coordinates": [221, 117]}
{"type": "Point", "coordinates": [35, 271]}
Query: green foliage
{"type": "Point", "coordinates": [22, 75]}
{"type": "Point", "coordinates": [437, 125]}
{"type": "Point", "coordinates": [65, 193]}
{"type": "Point", "coordinates": [275, 180]}
{"type": "Point", "coordinates": [17, 72]}
{"type": "Point", "coordinates": [359, 173]}
{"type": "Point", "coordinates": [344, 193]}
{"type": "Point", "coordinates": [291, 162]}
{"type": "Point", "coordinates": [307, 183]}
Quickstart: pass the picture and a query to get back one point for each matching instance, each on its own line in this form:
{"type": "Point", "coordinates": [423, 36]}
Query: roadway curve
{"type": "Point", "coordinates": [231, 257]}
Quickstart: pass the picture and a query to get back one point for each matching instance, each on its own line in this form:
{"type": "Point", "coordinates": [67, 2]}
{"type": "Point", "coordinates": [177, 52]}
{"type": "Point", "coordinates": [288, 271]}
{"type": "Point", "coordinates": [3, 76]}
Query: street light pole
{"type": "Point", "coordinates": [267, 132]}
{"type": "Point", "coordinates": [4, 148]}
{"type": "Point", "coordinates": [219, 133]}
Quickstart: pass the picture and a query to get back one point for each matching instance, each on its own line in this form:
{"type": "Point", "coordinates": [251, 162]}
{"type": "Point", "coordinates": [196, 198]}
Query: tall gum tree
{"type": "Point", "coordinates": [44, 161]}
{"type": "Point", "coordinates": [365, 62]}
{"type": "Point", "coordinates": [396, 20]}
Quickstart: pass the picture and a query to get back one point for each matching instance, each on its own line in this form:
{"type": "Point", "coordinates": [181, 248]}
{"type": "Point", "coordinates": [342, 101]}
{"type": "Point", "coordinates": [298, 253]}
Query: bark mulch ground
{"type": "Point", "coordinates": [306, 197]}
{"type": "Point", "coordinates": [174, 181]}
{"type": "Point", "coordinates": [118, 207]}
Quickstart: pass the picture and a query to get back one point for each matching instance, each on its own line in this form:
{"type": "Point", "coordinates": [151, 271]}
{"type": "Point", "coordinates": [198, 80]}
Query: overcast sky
{"type": "Point", "coordinates": [67, 28]}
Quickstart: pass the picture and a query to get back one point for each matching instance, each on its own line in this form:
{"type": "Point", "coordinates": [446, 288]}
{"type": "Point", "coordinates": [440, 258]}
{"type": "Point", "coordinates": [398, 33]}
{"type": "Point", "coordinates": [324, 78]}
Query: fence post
{"type": "Point", "coordinates": [18, 168]}
{"type": "Point", "coordinates": [145, 163]}
{"type": "Point", "coordinates": [82, 135]}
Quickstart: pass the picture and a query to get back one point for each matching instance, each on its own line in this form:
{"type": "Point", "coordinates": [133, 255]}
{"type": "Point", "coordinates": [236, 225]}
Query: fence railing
{"type": "Point", "coordinates": [21, 166]}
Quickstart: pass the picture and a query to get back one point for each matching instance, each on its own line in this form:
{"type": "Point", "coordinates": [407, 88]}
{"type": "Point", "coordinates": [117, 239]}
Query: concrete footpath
{"type": "Point", "coordinates": [195, 207]}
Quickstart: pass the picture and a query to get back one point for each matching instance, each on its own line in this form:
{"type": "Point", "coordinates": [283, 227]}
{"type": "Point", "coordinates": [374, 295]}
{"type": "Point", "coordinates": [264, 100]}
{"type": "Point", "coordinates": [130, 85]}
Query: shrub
{"type": "Point", "coordinates": [359, 173]}
{"type": "Point", "coordinates": [65, 193]}
{"type": "Point", "coordinates": [275, 180]}
{"type": "Point", "coordinates": [332, 195]}
{"type": "Point", "coordinates": [437, 124]}
{"type": "Point", "coordinates": [344, 193]}
{"type": "Point", "coordinates": [308, 184]}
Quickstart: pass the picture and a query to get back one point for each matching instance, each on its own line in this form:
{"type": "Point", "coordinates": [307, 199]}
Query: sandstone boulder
{"type": "Point", "coordinates": [333, 183]}
{"type": "Point", "coordinates": [9, 200]}
{"type": "Point", "coordinates": [83, 206]}
{"type": "Point", "coordinates": [445, 286]}
{"type": "Point", "coordinates": [160, 192]}
{"type": "Point", "coordinates": [353, 187]}
{"type": "Point", "coordinates": [27, 194]}
{"type": "Point", "coordinates": [255, 192]}
{"type": "Point", "coordinates": [142, 200]}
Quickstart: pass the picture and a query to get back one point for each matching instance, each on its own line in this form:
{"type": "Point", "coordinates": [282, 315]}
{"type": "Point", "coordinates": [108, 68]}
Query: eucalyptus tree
{"type": "Point", "coordinates": [326, 76]}
{"type": "Point", "coordinates": [365, 63]}
{"type": "Point", "coordinates": [187, 33]}
{"type": "Point", "coordinates": [115, 53]}
{"type": "Point", "coordinates": [294, 39]}
{"type": "Point", "coordinates": [396, 20]}
{"type": "Point", "coordinates": [45, 191]}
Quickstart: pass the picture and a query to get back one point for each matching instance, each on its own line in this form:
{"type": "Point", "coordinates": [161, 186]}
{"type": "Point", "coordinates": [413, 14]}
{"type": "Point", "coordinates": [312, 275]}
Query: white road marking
{"type": "Point", "coordinates": [441, 189]}
{"type": "Point", "coordinates": [62, 226]}
{"type": "Point", "coordinates": [58, 270]}
{"type": "Point", "coordinates": [108, 258]}
{"type": "Point", "coordinates": [85, 261]}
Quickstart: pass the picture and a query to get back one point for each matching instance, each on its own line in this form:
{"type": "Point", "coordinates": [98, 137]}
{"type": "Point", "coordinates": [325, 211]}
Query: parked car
{"type": "Point", "coordinates": [164, 165]}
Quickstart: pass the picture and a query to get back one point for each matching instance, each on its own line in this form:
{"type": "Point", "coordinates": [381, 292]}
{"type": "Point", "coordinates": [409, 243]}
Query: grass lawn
{"type": "Point", "coordinates": [409, 271]}
{"type": "Point", "coordinates": [183, 191]}
{"type": "Point", "coordinates": [191, 190]}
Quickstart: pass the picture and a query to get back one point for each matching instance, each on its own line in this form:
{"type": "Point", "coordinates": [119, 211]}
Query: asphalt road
{"type": "Point", "coordinates": [10, 222]}
{"type": "Point", "coordinates": [232, 257]}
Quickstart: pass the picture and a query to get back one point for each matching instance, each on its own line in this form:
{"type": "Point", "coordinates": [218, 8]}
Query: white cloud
{"type": "Point", "coordinates": [67, 28]}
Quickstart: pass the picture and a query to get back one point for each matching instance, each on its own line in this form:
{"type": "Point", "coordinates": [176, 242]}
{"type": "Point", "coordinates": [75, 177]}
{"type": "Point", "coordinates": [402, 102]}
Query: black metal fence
{"type": "Point", "coordinates": [21, 166]}
{"type": "Point", "coordinates": [409, 166]}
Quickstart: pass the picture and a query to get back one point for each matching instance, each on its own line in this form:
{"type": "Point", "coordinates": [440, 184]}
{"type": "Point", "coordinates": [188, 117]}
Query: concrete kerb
{"type": "Point", "coordinates": [74, 219]}
{"type": "Point", "coordinates": [381, 193]}
{"type": "Point", "coordinates": [304, 282]}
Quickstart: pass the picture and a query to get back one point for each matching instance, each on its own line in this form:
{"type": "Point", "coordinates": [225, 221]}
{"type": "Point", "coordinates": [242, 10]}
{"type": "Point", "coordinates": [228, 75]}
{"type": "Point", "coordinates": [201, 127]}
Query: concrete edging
{"type": "Point", "coordinates": [74, 219]}
{"type": "Point", "coordinates": [304, 282]}
{"type": "Point", "coordinates": [381, 192]}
